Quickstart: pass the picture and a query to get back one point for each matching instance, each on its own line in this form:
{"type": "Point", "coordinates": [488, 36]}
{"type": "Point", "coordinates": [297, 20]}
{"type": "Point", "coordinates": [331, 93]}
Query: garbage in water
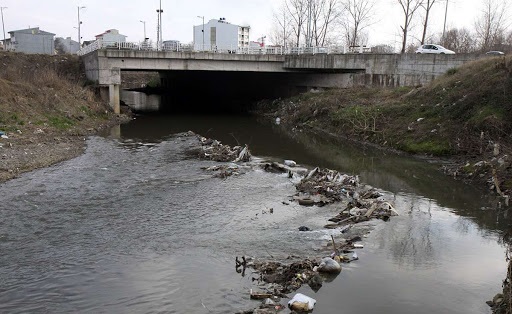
{"type": "Point", "coordinates": [317, 187]}
{"type": "Point", "coordinates": [301, 302]}
{"type": "Point", "coordinates": [260, 295]}
{"type": "Point", "coordinates": [215, 150]}
{"type": "Point", "coordinates": [328, 265]}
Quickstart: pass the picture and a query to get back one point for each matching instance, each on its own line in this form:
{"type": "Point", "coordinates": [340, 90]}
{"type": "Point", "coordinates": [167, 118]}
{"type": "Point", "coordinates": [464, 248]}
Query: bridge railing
{"type": "Point", "coordinates": [178, 47]}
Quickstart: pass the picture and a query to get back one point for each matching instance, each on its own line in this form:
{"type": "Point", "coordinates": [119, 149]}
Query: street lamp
{"type": "Point", "coordinates": [79, 23]}
{"type": "Point", "coordinates": [144, 22]}
{"type": "Point", "coordinates": [3, 26]}
{"type": "Point", "coordinates": [202, 17]}
{"type": "Point", "coordinates": [159, 28]}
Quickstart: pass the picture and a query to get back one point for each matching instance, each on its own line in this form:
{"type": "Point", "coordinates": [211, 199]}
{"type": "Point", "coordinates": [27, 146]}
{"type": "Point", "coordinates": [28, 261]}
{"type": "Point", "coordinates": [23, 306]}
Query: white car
{"type": "Point", "coordinates": [429, 48]}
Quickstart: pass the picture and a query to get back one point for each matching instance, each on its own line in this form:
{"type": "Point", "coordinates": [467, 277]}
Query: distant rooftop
{"type": "Point", "coordinates": [34, 31]}
{"type": "Point", "coordinates": [110, 31]}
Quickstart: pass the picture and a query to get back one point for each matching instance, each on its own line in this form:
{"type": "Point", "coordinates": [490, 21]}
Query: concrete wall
{"type": "Point", "coordinates": [103, 66]}
{"type": "Point", "coordinates": [382, 69]}
{"type": "Point", "coordinates": [139, 101]}
{"type": "Point", "coordinates": [34, 43]}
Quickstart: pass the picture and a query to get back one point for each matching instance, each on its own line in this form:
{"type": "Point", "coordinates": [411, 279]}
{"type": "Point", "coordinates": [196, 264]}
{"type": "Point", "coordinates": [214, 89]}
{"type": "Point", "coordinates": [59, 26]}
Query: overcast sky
{"type": "Point", "coordinates": [60, 17]}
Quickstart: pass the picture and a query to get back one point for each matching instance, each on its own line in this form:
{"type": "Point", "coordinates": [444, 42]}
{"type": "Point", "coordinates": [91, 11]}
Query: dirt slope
{"type": "Point", "coordinates": [46, 110]}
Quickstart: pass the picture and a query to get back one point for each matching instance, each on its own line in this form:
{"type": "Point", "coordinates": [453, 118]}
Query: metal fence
{"type": "Point", "coordinates": [178, 47]}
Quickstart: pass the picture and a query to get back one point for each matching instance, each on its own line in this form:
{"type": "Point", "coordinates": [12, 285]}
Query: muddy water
{"type": "Point", "coordinates": [134, 225]}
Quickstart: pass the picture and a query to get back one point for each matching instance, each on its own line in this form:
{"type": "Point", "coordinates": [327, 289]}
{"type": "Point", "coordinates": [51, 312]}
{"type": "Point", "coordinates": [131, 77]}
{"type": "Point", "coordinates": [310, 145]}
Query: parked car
{"type": "Point", "coordinates": [429, 48]}
{"type": "Point", "coordinates": [495, 53]}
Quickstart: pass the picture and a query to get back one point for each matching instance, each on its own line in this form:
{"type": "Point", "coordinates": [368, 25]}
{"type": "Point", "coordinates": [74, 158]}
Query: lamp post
{"type": "Point", "coordinates": [79, 23]}
{"type": "Point", "coordinates": [144, 22]}
{"type": "Point", "coordinates": [202, 17]}
{"type": "Point", "coordinates": [159, 28]}
{"type": "Point", "coordinates": [3, 26]}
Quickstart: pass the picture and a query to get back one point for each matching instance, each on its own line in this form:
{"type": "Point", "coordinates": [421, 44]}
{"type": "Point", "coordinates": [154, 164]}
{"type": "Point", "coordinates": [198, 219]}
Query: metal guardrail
{"type": "Point", "coordinates": [177, 47]}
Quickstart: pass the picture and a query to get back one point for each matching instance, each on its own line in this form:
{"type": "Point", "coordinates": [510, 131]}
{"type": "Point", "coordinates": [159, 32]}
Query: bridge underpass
{"type": "Point", "coordinates": [213, 91]}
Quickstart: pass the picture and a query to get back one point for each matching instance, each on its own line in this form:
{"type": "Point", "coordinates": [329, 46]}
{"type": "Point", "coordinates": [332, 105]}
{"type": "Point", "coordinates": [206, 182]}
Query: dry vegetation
{"type": "Point", "coordinates": [46, 109]}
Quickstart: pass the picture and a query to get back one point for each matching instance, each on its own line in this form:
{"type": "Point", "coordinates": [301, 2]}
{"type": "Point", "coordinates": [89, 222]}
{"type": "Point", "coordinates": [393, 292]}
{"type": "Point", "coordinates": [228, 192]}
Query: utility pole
{"type": "Point", "coordinates": [79, 23]}
{"type": "Point", "coordinates": [3, 25]}
{"type": "Point", "coordinates": [444, 26]}
{"type": "Point", "coordinates": [159, 27]}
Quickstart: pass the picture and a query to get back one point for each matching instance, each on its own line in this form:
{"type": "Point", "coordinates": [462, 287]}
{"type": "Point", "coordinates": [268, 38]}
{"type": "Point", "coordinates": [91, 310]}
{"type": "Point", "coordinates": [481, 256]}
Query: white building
{"type": "Point", "coordinates": [111, 36]}
{"type": "Point", "coordinates": [219, 35]}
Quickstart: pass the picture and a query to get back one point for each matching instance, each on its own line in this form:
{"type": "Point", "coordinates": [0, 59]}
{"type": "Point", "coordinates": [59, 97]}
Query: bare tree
{"type": "Point", "coordinates": [490, 26]}
{"type": "Point", "coordinates": [427, 5]}
{"type": "Point", "coordinates": [383, 49]}
{"type": "Point", "coordinates": [323, 14]}
{"type": "Point", "coordinates": [297, 11]}
{"type": "Point", "coordinates": [359, 16]}
{"type": "Point", "coordinates": [281, 31]}
{"type": "Point", "coordinates": [460, 40]}
{"type": "Point", "coordinates": [409, 7]}
{"type": "Point", "coordinates": [309, 22]}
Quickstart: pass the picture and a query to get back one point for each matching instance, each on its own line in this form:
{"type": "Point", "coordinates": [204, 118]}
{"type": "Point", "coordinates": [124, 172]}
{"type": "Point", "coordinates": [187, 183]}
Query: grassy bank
{"type": "Point", "coordinates": [46, 108]}
{"type": "Point", "coordinates": [464, 115]}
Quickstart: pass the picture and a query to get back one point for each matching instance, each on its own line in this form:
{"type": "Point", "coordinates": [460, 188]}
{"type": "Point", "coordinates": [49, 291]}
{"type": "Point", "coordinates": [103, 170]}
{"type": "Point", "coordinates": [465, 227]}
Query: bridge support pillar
{"type": "Point", "coordinates": [114, 91]}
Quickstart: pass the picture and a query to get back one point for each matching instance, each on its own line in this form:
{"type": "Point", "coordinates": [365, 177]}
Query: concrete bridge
{"type": "Point", "coordinates": [264, 74]}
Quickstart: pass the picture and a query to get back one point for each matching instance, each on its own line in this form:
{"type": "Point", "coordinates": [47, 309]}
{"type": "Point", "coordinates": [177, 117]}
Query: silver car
{"type": "Point", "coordinates": [438, 49]}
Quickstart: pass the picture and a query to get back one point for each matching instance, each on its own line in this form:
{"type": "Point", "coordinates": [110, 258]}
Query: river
{"type": "Point", "coordinates": [136, 226]}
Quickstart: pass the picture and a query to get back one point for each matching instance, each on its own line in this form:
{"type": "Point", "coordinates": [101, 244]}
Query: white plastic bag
{"type": "Point", "coordinates": [301, 302]}
{"type": "Point", "coordinates": [328, 265]}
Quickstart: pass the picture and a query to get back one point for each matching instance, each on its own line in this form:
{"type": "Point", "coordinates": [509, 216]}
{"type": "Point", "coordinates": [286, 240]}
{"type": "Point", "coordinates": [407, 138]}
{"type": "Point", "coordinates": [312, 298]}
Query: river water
{"type": "Point", "coordinates": [136, 226]}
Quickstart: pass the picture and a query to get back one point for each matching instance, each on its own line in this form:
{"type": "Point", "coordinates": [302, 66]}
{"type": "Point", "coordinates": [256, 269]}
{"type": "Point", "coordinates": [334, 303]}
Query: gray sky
{"type": "Point", "coordinates": [60, 17]}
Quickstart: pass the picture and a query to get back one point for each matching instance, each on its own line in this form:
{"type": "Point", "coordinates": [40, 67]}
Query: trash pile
{"type": "Point", "coordinates": [216, 151]}
{"type": "Point", "coordinates": [331, 184]}
{"type": "Point", "coordinates": [323, 186]}
{"type": "Point", "coordinates": [318, 187]}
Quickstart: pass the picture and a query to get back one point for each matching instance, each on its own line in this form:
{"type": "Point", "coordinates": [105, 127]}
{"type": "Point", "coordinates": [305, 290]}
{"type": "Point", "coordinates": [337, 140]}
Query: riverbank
{"type": "Point", "coordinates": [47, 109]}
{"type": "Point", "coordinates": [461, 117]}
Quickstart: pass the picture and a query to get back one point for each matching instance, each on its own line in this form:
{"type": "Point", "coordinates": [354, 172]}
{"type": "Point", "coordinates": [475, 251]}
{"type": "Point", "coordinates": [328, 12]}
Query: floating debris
{"type": "Point", "coordinates": [215, 150]}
